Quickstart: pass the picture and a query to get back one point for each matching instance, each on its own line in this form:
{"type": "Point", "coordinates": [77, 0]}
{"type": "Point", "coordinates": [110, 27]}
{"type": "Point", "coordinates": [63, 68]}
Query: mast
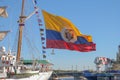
{"type": "Point", "coordinates": [21, 25]}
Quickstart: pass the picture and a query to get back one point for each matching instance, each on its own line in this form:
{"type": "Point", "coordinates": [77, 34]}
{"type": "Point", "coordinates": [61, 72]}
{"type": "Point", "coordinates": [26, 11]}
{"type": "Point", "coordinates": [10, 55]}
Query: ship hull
{"type": "Point", "coordinates": [40, 76]}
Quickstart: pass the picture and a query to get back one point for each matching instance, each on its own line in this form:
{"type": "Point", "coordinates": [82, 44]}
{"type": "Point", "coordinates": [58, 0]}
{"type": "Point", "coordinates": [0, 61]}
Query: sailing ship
{"type": "Point", "coordinates": [60, 34]}
{"type": "Point", "coordinates": [12, 67]}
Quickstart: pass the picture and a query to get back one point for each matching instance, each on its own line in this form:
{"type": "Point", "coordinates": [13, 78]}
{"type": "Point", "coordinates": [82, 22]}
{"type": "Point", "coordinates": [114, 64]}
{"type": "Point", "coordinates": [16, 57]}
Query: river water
{"type": "Point", "coordinates": [66, 79]}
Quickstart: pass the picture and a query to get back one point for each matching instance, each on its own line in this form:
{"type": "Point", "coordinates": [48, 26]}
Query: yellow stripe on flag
{"type": "Point", "coordinates": [57, 23]}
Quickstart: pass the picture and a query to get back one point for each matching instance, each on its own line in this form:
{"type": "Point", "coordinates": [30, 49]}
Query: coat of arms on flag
{"type": "Point", "coordinates": [68, 35]}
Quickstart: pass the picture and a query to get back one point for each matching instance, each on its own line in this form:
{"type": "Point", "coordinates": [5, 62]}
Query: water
{"type": "Point", "coordinates": [64, 78]}
{"type": "Point", "coordinates": [67, 78]}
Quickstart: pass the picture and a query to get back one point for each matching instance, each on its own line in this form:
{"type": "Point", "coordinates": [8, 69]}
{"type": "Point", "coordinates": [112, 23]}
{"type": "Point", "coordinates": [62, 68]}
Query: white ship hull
{"type": "Point", "coordinates": [40, 76]}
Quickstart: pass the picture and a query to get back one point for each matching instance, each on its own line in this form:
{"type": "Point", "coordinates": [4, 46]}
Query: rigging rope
{"type": "Point", "coordinates": [30, 43]}
{"type": "Point", "coordinates": [14, 46]}
{"type": "Point", "coordinates": [30, 46]}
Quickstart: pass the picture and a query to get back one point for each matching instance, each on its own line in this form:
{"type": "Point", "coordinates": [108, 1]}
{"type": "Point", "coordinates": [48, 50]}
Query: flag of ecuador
{"type": "Point", "coordinates": [62, 34]}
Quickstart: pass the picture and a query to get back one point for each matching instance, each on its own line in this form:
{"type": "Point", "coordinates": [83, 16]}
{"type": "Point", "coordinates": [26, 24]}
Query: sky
{"type": "Point", "coordinates": [98, 18]}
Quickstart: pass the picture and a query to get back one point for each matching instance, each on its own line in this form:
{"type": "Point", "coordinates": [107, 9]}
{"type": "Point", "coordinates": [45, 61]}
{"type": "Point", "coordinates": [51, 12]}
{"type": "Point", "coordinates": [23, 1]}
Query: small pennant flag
{"type": "Point", "coordinates": [41, 34]}
{"type": "Point", "coordinates": [39, 20]}
{"type": "Point", "coordinates": [35, 1]}
{"type": "Point", "coordinates": [42, 38]}
{"type": "Point", "coordinates": [43, 47]}
{"type": "Point", "coordinates": [41, 29]}
{"type": "Point", "coordinates": [44, 56]}
{"type": "Point", "coordinates": [44, 51]}
{"type": "Point", "coordinates": [43, 42]}
{"type": "Point", "coordinates": [40, 24]}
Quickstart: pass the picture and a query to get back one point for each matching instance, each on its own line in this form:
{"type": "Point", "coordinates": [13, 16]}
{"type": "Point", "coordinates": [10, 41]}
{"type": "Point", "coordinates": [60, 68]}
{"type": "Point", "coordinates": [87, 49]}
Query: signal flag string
{"type": "Point", "coordinates": [41, 29]}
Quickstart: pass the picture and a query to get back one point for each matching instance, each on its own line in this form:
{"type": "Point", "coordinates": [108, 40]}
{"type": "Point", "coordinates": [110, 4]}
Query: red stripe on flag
{"type": "Point", "coordinates": [71, 46]}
